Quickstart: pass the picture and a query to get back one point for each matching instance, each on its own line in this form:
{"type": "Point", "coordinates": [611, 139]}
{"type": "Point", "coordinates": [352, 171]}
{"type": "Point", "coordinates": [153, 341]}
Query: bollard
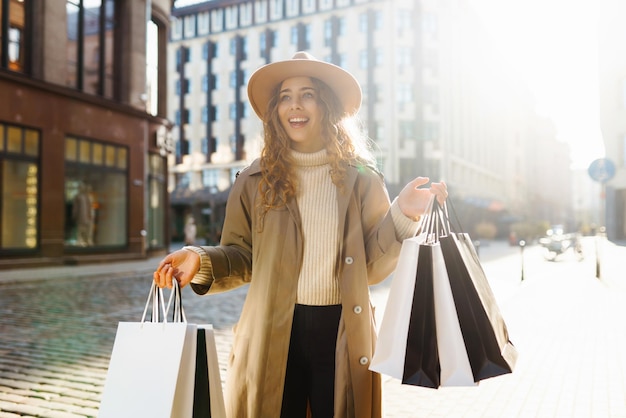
{"type": "Point", "coordinates": [522, 244]}
{"type": "Point", "coordinates": [599, 241]}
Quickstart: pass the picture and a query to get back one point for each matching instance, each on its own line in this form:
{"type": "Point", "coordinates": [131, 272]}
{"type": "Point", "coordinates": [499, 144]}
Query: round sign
{"type": "Point", "coordinates": [602, 170]}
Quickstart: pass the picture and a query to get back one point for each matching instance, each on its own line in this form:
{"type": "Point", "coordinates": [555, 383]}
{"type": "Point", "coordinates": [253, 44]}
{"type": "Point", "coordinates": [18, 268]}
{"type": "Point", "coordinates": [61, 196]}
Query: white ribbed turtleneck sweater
{"type": "Point", "coordinates": [317, 202]}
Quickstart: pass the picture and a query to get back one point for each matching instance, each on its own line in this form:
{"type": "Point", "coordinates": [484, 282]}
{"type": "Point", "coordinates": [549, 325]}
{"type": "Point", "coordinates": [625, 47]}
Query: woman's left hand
{"type": "Point", "coordinates": [413, 200]}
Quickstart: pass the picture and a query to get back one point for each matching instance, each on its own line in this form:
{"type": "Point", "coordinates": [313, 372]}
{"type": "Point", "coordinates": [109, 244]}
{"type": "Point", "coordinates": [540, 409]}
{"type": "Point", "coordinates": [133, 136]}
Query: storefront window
{"type": "Point", "coordinates": [19, 182]}
{"type": "Point", "coordinates": [95, 194]}
{"type": "Point", "coordinates": [156, 207]}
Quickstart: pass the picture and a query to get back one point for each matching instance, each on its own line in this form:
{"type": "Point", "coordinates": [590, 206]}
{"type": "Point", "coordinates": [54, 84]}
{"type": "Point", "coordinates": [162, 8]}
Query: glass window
{"type": "Point", "coordinates": [276, 9]}
{"type": "Point", "coordinates": [15, 28]}
{"type": "Point", "coordinates": [203, 23]}
{"type": "Point", "coordinates": [19, 204]}
{"type": "Point", "coordinates": [245, 14]}
{"type": "Point", "coordinates": [71, 145]}
{"type": "Point", "coordinates": [90, 41]}
{"type": "Point", "coordinates": [217, 23]}
{"type": "Point", "coordinates": [31, 142]}
{"type": "Point", "coordinates": [156, 203]}
{"type": "Point", "coordinates": [84, 151]}
{"type": "Point", "coordinates": [363, 59]}
{"type": "Point", "coordinates": [363, 22]}
{"type": "Point", "coordinates": [294, 35]}
{"type": "Point", "coordinates": [308, 6]}
{"type": "Point", "coordinates": [19, 183]}
{"type": "Point", "coordinates": [326, 4]}
{"type": "Point", "coordinates": [293, 8]}
{"type": "Point", "coordinates": [152, 68]}
{"type": "Point", "coordinates": [260, 11]}
{"type": "Point", "coordinates": [328, 31]}
{"type": "Point", "coordinates": [190, 26]}
{"type": "Point", "coordinates": [95, 194]}
{"type": "Point", "coordinates": [231, 17]}
{"type": "Point", "coordinates": [342, 26]}
{"type": "Point", "coordinates": [176, 31]}
{"type": "Point", "coordinates": [14, 139]}
{"type": "Point", "coordinates": [97, 153]}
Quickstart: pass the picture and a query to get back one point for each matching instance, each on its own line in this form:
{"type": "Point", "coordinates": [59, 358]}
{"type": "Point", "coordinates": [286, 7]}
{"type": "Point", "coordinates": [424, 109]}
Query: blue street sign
{"type": "Point", "coordinates": [601, 170]}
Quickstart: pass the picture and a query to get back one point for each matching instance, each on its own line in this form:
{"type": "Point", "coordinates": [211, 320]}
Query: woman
{"type": "Point", "coordinates": [309, 226]}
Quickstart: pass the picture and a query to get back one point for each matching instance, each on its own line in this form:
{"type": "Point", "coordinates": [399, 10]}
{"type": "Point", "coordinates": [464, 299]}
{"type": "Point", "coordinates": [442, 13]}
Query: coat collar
{"type": "Point", "coordinates": [352, 173]}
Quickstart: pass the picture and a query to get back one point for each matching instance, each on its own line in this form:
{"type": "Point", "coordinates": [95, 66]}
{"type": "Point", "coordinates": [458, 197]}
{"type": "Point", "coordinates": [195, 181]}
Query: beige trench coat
{"type": "Point", "coordinates": [368, 254]}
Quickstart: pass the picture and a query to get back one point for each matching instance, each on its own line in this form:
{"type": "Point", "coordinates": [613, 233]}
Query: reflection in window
{"type": "Point", "coordinates": [14, 26]}
{"type": "Point", "coordinates": [90, 40]}
{"type": "Point", "coordinates": [19, 182]}
{"type": "Point", "coordinates": [95, 193]}
{"type": "Point", "coordinates": [156, 206]}
{"type": "Point", "coordinates": [152, 68]}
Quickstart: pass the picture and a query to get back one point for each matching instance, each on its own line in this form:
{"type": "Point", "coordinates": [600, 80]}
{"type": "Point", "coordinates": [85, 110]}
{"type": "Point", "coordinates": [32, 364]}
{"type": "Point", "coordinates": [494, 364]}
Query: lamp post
{"type": "Point", "coordinates": [522, 244]}
{"type": "Point", "coordinates": [601, 170]}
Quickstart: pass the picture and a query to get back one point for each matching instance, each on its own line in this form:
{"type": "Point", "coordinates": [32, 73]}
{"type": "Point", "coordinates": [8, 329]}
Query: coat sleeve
{"type": "Point", "coordinates": [382, 244]}
{"type": "Point", "coordinates": [231, 261]}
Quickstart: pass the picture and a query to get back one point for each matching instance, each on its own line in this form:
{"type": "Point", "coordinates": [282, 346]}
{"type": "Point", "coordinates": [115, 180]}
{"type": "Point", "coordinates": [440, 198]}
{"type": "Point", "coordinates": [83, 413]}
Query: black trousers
{"type": "Point", "coordinates": [310, 374]}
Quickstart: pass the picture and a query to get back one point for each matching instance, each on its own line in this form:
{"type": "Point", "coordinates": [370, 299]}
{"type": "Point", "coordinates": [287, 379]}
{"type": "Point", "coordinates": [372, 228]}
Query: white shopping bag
{"type": "Point", "coordinates": [151, 371]}
{"type": "Point", "coordinates": [455, 366]}
{"type": "Point", "coordinates": [390, 349]}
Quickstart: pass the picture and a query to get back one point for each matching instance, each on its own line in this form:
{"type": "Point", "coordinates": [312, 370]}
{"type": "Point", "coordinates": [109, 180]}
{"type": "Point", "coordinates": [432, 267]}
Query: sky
{"type": "Point", "coordinates": [553, 43]}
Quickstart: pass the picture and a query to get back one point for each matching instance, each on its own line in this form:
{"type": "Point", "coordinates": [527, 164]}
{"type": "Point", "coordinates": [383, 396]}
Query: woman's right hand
{"type": "Point", "coordinates": [181, 265]}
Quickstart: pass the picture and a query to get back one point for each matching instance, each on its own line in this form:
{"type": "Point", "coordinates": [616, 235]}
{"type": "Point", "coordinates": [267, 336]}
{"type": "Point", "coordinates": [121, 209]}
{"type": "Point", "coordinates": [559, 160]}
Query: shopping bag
{"type": "Point", "coordinates": [454, 335]}
{"type": "Point", "coordinates": [390, 349]}
{"type": "Point", "coordinates": [454, 363]}
{"type": "Point", "coordinates": [154, 367]}
{"type": "Point", "coordinates": [149, 361]}
{"type": "Point", "coordinates": [421, 358]}
{"type": "Point", "coordinates": [486, 337]}
{"type": "Point", "coordinates": [391, 343]}
{"type": "Point", "coordinates": [208, 396]}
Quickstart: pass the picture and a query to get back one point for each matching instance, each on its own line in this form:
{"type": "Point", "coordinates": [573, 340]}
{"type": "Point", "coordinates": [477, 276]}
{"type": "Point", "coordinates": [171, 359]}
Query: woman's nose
{"type": "Point", "coordinates": [295, 103]}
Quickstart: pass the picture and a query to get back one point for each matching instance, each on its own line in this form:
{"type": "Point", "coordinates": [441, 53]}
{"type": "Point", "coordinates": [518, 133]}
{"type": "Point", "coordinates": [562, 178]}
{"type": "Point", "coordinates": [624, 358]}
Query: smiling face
{"type": "Point", "coordinates": [300, 114]}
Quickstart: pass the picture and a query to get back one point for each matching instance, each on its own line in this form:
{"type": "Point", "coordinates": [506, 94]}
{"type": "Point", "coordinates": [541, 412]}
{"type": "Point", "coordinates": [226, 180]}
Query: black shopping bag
{"type": "Point", "coordinates": [201, 390]}
{"type": "Point", "coordinates": [421, 361]}
{"type": "Point", "coordinates": [489, 350]}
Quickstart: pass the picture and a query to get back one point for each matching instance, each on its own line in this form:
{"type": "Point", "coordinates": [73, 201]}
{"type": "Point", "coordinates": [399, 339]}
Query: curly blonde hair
{"type": "Point", "coordinates": [342, 138]}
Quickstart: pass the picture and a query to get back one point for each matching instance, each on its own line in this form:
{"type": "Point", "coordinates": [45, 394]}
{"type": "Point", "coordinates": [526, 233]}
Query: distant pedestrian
{"type": "Point", "coordinates": [190, 231]}
{"type": "Point", "coordinates": [309, 225]}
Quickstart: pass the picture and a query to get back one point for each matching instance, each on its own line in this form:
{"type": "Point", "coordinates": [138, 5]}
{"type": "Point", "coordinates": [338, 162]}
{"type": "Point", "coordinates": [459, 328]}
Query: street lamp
{"type": "Point", "coordinates": [522, 244]}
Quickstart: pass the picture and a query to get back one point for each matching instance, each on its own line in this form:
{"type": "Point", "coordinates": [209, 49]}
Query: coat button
{"type": "Point", "coordinates": [357, 309]}
{"type": "Point", "coordinates": [363, 360]}
{"type": "Point", "coordinates": [349, 260]}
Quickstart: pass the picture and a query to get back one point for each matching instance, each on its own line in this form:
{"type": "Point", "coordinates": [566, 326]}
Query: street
{"type": "Point", "coordinates": [568, 327]}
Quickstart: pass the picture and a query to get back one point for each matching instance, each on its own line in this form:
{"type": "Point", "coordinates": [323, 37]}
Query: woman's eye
{"type": "Point", "coordinates": [284, 98]}
{"type": "Point", "coordinates": [308, 95]}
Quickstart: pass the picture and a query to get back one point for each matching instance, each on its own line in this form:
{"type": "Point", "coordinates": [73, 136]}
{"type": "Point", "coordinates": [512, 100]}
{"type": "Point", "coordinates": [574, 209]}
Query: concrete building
{"type": "Point", "coordinates": [612, 71]}
{"type": "Point", "coordinates": [83, 130]}
{"type": "Point", "coordinates": [438, 101]}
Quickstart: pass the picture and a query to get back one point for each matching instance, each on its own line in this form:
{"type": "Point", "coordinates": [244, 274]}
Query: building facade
{"type": "Point", "coordinates": [83, 130]}
{"type": "Point", "coordinates": [437, 101]}
{"type": "Point", "coordinates": [612, 72]}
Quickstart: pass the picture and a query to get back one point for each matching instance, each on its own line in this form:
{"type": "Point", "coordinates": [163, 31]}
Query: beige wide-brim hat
{"type": "Point", "coordinates": [264, 80]}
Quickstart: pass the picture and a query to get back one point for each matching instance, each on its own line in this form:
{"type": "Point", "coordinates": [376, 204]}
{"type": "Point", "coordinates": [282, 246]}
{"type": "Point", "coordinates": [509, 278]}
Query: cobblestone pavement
{"type": "Point", "coordinates": [56, 336]}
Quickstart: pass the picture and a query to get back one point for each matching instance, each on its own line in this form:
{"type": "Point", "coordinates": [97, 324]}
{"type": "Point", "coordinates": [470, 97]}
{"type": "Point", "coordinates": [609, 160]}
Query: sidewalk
{"type": "Point", "coordinates": [132, 268]}
{"type": "Point", "coordinates": [568, 326]}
